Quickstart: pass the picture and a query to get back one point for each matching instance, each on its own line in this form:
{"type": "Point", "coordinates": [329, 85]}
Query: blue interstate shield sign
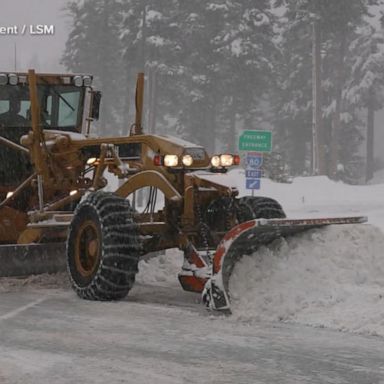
{"type": "Point", "coordinates": [252, 183]}
{"type": "Point", "coordinates": [254, 161]}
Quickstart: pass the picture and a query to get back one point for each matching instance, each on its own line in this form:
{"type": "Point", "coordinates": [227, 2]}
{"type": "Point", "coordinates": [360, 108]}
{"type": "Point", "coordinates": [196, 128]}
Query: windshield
{"type": "Point", "coordinates": [61, 106]}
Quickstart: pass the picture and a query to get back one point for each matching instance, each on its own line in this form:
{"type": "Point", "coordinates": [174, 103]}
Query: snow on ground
{"type": "Point", "coordinates": [331, 277]}
{"type": "Point", "coordinates": [57, 280]}
{"type": "Point", "coordinates": [317, 196]}
{"type": "Point", "coordinates": [161, 270]}
{"type": "Point", "coordinates": [378, 178]}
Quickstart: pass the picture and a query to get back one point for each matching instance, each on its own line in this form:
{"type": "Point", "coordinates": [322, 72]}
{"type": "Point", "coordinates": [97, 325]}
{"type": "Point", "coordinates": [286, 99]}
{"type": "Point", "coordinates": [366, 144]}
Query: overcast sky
{"type": "Point", "coordinates": [42, 52]}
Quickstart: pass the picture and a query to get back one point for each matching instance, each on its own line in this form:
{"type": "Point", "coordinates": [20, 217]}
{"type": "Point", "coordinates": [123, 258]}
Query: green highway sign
{"type": "Point", "coordinates": [258, 141]}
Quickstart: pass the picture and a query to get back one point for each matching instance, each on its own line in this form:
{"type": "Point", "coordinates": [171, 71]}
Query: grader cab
{"type": "Point", "coordinates": [55, 210]}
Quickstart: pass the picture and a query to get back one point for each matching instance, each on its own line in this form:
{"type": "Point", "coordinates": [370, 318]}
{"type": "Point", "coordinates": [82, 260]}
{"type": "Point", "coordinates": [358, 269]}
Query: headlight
{"type": "Point", "coordinates": [9, 194]}
{"type": "Point", "coordinates": [171, 160]}
{"type": "Point", "coordinates": [187, 160]}
{"type": "Point", "coordinates": [215, 161]}
{"type": "Point", "coordinates": [73, 192]}
{"type": "Point", "coordinates": [91, 160]}
{"type": "Point", "coordinates": [226, 160]}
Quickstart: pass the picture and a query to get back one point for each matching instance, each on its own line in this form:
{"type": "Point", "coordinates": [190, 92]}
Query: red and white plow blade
{"type": "Point", "coordinates": [246, 238]}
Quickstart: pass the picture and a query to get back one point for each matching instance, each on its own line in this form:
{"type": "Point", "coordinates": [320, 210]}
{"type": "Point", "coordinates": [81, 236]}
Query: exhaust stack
{"type": "Point", "coordinates": [139, 101]}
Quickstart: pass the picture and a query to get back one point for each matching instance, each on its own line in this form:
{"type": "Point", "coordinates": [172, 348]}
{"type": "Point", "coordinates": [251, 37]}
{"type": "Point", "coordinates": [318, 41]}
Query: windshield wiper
{"type": "Point", "coordinates": [61, 97]}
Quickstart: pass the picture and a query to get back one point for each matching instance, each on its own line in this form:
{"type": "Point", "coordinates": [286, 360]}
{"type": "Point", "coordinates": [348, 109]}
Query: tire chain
{"type": "Point", "coordinates": [229, 209]}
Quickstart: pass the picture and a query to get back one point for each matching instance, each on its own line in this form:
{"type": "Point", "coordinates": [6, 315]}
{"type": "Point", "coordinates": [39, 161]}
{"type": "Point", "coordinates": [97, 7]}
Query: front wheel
{"type": "Point", "coordinates": [103, 247]}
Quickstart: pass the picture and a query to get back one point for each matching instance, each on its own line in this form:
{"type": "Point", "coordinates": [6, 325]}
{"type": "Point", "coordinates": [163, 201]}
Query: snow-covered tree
{"type": "Point", "coordinates": [343, 26]}
{"type": "Point", "coordinates": [293, 94]}
{"type": "Point", "coordinates": [365, 88]}
{"type": "Point", "coordinates": [94, 47]}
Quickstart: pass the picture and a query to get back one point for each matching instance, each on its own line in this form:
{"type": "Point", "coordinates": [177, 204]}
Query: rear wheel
{"type": "Point", "coordinates": [258, 207]}
{"type": "Point", "coordinates": [103, 247]}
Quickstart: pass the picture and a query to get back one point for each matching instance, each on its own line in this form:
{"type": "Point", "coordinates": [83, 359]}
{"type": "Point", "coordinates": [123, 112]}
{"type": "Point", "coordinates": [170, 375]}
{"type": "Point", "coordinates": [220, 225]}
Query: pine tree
{"type": "Point", "coordinates": [226, 51]}
{"type": "Point", "coordinates": [247, 42]}
{"type": "Point", "coordinates": [350, 43]}
{"type": "Point", "coordinates": [341, 24]}
{"type": "Point", "coordinates": [293, 94]}
{"type": "Point", "coordinates": [208, 64]}
{"type": "Point", "coordinates": [366, 86]}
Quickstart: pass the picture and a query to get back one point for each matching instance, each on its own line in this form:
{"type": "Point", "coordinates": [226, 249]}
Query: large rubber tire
{"type": "Point", "coordinates": [258, 207]}
{"type": "Point", "coordinates": [218, 212]}
{"type": "Point", "coordinates": [103, 247]}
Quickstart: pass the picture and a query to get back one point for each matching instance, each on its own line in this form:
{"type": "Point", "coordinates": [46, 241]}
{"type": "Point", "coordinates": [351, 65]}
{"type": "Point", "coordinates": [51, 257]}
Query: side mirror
{"type": "Point", "coordinates": [95, 109]}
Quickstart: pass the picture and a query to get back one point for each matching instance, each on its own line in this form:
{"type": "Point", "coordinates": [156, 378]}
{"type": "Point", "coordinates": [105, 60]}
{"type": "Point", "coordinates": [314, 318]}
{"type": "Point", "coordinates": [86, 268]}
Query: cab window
{"type": "Point", "coordinates": [68, 116]}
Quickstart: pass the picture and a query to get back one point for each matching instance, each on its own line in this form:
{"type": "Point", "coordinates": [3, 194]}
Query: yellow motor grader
{"type": "Point", "coordinates": [55, 210]}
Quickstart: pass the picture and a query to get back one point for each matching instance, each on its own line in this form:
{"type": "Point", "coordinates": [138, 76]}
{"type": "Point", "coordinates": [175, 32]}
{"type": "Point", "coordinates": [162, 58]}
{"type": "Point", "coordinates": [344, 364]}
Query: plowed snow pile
{"type": "Point", "coordinates": [331, 277]}
{"type": "Point", "coordinates": [161, 270]}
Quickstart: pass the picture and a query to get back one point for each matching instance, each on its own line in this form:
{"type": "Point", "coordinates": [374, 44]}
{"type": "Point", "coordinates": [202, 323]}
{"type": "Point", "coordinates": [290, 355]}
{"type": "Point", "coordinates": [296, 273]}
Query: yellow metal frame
{"type": "Point", "coordinates": [59, 160]}
{"type": "Point", "coordinates": [149, 179]}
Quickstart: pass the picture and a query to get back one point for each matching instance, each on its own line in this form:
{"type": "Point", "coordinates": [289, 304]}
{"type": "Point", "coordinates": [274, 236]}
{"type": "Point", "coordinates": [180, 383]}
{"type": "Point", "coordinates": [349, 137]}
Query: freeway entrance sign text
{"type": "Point", "coordinates": [259, 141]}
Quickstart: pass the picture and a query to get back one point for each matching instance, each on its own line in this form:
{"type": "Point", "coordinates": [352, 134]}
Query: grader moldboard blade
{"type": "Point", "coordinates": [32, 259]}
{"type": "Point", "coordinates": [246, 238]}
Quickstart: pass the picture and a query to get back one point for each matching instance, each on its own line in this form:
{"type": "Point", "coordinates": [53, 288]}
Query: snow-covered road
{"type": "Point", "coordinates": [161, 335]}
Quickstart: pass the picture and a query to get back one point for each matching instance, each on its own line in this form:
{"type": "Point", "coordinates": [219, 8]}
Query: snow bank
{"type": "Point", "coordinates": [378, 177]}
{"type": "Point", "coordinates": [332, 277]}
{"type": "Point", "coordinates": [316, 196]}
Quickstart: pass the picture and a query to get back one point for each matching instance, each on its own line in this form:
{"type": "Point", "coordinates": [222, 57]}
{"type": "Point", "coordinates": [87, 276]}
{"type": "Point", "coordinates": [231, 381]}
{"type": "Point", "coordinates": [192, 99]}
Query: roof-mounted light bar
{"type": "Point", "coordinates": [80, 81]}
{"type": "Point", "coordinates": [15, 79]}
{"type": "Point", "coordinates": [11, 79]}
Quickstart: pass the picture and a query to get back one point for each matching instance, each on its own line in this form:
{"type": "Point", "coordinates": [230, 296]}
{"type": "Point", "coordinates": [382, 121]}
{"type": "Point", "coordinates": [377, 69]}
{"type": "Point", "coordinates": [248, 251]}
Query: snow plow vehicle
{"type": "Point", "coordinates": [55, 210]}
